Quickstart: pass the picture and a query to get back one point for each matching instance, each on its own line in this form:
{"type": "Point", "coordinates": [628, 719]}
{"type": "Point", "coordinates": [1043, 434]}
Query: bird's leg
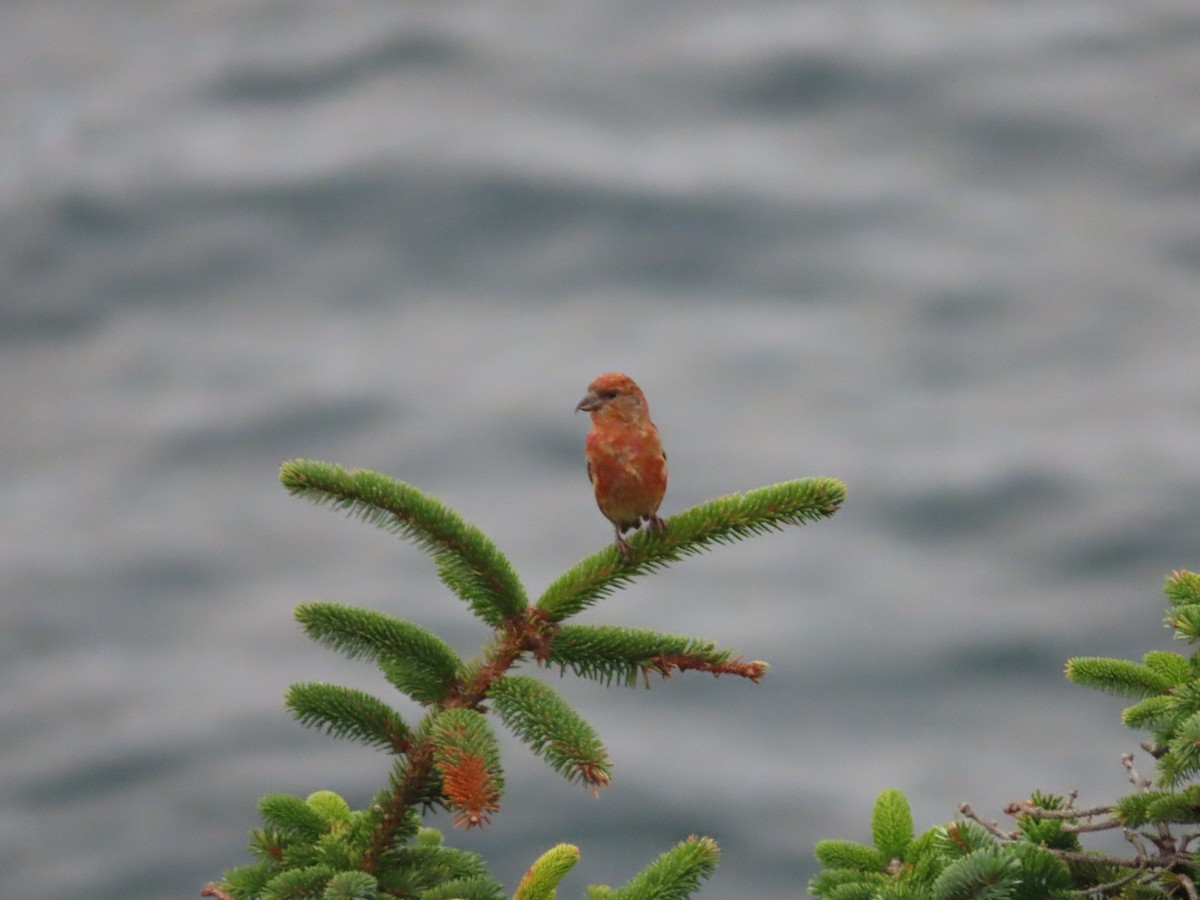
{"type": "Point", "coordinates": [659, 526]}
{"type": "Point", "coordinates": [622, 546]}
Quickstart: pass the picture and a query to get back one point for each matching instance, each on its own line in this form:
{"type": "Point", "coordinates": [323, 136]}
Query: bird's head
{"type": "Point", "coordinates": [614, 397]}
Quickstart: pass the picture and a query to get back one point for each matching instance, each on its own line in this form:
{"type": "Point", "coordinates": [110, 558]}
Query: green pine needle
{"type": "Point", "coordinates": [676, 874]}
{"type": "Point", "coordinates": [479, 887]}
{"type": "Point", "coordinates": [850, 884]}
{"type": "Point", "coordinates": [989, 873]}
{"type": "Point", "coordinates": [291, 816]}
{"type": "Point", "coordinates": [468, 562]}
{"type": "Point", "coordinates": [720, 521]}
{"type": "Point", "coordinates": [351, 886]}
{"type": "Point", "coordinates": [541, 880]}
{"type": "Point", "coordinates": [309, 881]}
{"type": "Point", "coordinates": [1151, 713]}
{"type": "Point", "coordinates": [1042, 873]}
{"type": "Point", "coordinates": [248, 880]}
{"type": "Point", "coordinates": [1116, 676]}
{"type": "Point", "coordinates": [411, 869]}
{"type": "Point", "coordinates": [609, 653]}
{"type": "Point", "coordinates": [1185, 620]}
{"type": "Point", "coordinates": [543, 720]}
{"type": "Point", "coordinates": [1183, 588]}
{"type": "Point", "coordinates": [838, 854]}
{"type": "Point", "coordinates": [416, 661]}
{"type": "Point", "coordinates": [1182, 759]}
{"type": "Point", "coordinates": [1133, 810]}
{"type": "Point", "coordinates": [1176, 809]}
{"type": "Point", "coordinates": [1173, 667]}
{"type": "Point", "coordinates": [891, 824]}
{"type": "Point", "coordinates": [349, 713]}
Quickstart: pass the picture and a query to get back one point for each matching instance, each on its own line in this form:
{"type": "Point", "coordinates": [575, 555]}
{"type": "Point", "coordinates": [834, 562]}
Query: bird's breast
{"type": "Point", "coordinates": [628, 471]}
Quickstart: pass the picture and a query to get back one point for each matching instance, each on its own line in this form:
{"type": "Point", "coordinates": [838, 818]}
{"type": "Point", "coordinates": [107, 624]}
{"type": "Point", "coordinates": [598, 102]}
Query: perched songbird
{"type": "Point", "coordinates": [625, 459]}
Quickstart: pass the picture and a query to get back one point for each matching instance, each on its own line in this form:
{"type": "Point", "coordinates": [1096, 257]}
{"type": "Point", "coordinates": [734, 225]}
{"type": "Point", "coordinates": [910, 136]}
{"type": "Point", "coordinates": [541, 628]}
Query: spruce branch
{"type": "Point", "coordinates": [1182, 588]}
{"type": "Point", "coordinates": [411, 784]}
{"type": "Point", "coordinates": [1182, 759]}
{"type": "Point", "coordinates": [292, 816]}
{"type": "Point", "coordinates": [416, 661]}
{"type": "Point", "coordinates": [530, 633]}
{"type": "Point", "coordinates": [838, 854]}
{"type": "Point", "coordinates": [467, 560]}
{"type": "Point", "coordinates": [351, 886]}
{"type": "Point", "coordinates": [349, 713]}
{"type": "Point", "coordinates": [1172, 667]}
{"type": "Point", "coordinates": [320, 847]}
{"type": "Point", "coordinates": [466, 755]}
{"type": "Point", "coordinates": [1116, 676]}
{"type": "Point", "coordinates": [673, 876]}
{"type": "Point", "coordinates": [891, 824]}
{"type": "Point", "coordinates": [606, 653]}
{"type": "Point", "coordinates": [720, 521]}
{"type": "Point", "coordinates": [536, 714]}
{"type": "Point", "coordinates": [541, 880]}
{"type": "Point", "coordinates": [1185, 619]}
{"type": "Point", "coordinates": [1150, 713]}
{"type": "Point", "coordinates": [984, 867]}
{"type": "Point", "coordinates": [309, 881]}
{"type": "Point", "coordinates": [426, 863]}
{"type": "Point", "coordinates": [1044, 857]}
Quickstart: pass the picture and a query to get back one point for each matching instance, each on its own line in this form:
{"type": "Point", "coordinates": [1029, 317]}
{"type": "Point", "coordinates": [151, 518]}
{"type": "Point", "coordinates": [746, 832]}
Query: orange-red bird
{"type": "Point", "coordinates": [625, 459]}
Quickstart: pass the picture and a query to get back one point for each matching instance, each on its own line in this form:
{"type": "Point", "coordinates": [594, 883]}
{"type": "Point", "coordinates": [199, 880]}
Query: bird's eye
{"type": "Point", "coordinates": [608, 395]}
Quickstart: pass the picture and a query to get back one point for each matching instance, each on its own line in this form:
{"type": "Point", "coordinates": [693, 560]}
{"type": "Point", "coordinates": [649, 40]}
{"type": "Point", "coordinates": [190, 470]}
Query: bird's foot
{"type": "Point", "coordinates": [659, 526]}
{"type": "Point", "coordinates": [622, 546]}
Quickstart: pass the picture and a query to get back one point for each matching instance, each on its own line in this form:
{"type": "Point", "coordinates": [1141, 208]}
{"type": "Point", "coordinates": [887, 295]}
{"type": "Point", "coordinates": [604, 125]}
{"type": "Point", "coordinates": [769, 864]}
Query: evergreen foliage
{"type": "Point", "coordinates": [1043, 857]}
{"type": "Point", "coordinates": [891, 824]}
{"type": "Point", "coordinates": [466, 756]}
{"type": "Point", "coordinates": [720, 521]}
{"type": "Point", "coordinates": [345, 712]}
{"type": "Point", "coordinates": [541, 881]}
{"type": "Point", "coordinates": [608, 653]}
{"type": "Point", "coordinates": [417, 662]}
{"type": "Point", "coordinates": [321, 848]}
{"type": "Point", "coordinates": [673, 876]}
{"type": "Point", "coordinates": [468, 562]}
{"type": "Point", "coordinates": [535, 713]}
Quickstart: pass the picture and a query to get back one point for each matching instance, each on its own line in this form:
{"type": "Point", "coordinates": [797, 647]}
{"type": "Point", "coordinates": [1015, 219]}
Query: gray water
{"type": "Point", "coordinates": [949, 253]}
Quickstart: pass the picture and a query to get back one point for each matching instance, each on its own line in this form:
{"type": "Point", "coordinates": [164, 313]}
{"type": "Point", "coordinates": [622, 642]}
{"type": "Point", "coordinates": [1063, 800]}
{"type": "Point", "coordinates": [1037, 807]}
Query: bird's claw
{"type": "Point", "coordinates": [622, 546]}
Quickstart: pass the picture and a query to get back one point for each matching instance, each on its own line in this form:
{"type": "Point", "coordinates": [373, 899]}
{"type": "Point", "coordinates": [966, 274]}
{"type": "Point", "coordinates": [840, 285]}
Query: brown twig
{"type": "Point", "coordinates": [1135, 779]}
{"type": "Point", "coordinates": [1112, 887]}
{"type": "Point", "coordinates": [992, 827]}
{"type": "Point", "coordinates": [665, 663]}
{"type": "Point", "coordinates": [1024, 807]}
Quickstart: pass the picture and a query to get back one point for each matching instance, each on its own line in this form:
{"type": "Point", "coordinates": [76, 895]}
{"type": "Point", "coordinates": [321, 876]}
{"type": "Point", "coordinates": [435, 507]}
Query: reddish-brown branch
{"type": "Point", "coordinates": [411, 788]}
{"type": "Point", "coordinates": [530, 632]}
{"type": "Point", "coordinates": [665, 663]}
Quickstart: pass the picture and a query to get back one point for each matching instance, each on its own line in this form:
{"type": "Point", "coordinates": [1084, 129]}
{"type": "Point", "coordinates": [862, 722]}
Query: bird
{"type": "Point", "coordinates": [625, 460]}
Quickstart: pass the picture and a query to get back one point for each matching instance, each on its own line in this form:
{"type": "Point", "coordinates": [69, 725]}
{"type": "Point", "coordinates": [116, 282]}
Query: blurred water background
{"type": "Point", "coordinates": [947, 252]}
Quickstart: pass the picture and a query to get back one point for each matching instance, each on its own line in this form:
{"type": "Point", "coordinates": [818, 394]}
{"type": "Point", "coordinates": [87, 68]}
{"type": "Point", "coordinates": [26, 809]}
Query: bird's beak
{"type": "Point", "coordinates": [591, 401]}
